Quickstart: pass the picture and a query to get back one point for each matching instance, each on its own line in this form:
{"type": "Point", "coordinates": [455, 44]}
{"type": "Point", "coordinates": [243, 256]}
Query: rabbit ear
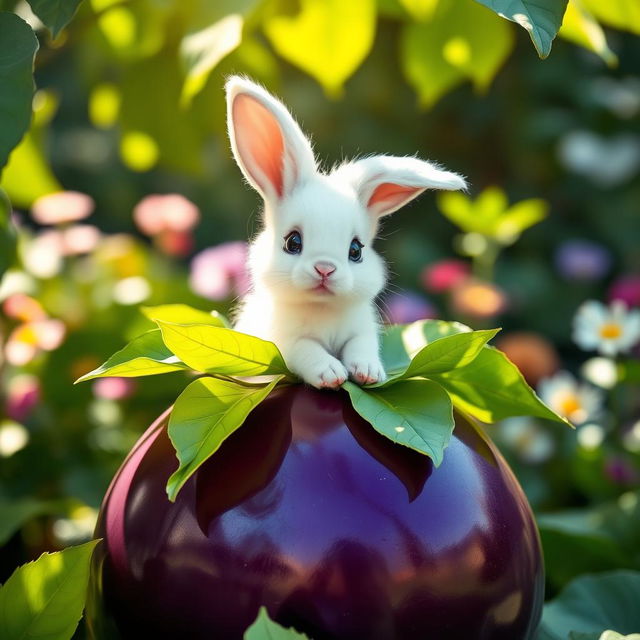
{"type": "Point", "coordinates": [267, 143]}
{"type": "Point", "coordinates": [386, 183]}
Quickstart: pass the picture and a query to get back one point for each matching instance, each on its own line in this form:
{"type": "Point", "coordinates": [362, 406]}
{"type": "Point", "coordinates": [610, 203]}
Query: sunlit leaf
{"type": "Point", "coordinates": [184, 314]}
{"type": "Point", "coordinates": [145, 355]}
{"type": "Point", "coordinates": [541, 18]}
{"type": "Point", "coordinates": [444, 354]}
{"type": "Point", "coordinates": [400, 343]}
{"type": "Point", "coordinates": [264, 628]}
{"type": "Point", "coordinates": [518, 218]}
{"type": "Point", "coordinates": [18, 46]}
{"type": "Point", "coordinates": [461, 41]}
{"type": "Point", "coordinates": [414, 413]}
{"type": "Point", "coordinates": [45, 598]}
{"type": "Point", "coordinates": [580, 27]}
{"type": "Point", "coordinates": [7, 234]}
{"type": "Point", "coordinates": [492, 388]}
{"type": "Point", "coordinates": [201, 52]}
{"type": "Point", "coordinates": [205, 414]}
{"type": "Point", "coordinates": [139, 150]}
{"type": "Point", "coordinates": [593, 604]}
{"type": "Point", "coordinates": [222, 351]}
{"type": "Point", "coordinates": [328, 39]}
{"type": "Point", "coordinates": [621, 14]}
{"type": "Point", "coordinates": [55, 14]}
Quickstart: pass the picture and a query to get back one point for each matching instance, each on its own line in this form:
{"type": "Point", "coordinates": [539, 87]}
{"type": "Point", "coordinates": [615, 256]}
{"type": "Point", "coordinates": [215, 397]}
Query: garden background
{"type": "Point", "coordinates": [128, 133]}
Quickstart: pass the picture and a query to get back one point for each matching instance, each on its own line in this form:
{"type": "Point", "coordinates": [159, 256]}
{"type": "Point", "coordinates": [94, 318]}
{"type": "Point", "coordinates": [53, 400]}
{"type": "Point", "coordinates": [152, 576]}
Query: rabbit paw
{"type": "Point", "coordinates": [366, 371]}
{"type": "Point", "coordinates": [328, 374]}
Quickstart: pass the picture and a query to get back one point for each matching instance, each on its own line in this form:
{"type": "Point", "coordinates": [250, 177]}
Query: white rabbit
{"type": "Point", "coordinates": [315, 274]}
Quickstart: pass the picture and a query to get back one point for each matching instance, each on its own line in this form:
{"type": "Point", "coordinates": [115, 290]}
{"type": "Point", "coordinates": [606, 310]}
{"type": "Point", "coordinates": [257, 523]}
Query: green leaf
{"type": "Point", "coordinates": [145, 355]}
{"type": "Point", "coordinates": [541, 18]}
{"type": "Point", "coordinates": [202, 50]}
{"type": "Point", "coordinates": [400, 343]}
{"type": "Point", "coordinates": [444, 354]}
{"type": "Point", "coordinates": [592, 604]}
{"type": "Point", "coordinates": [8, 240]}
{"type": "Point", "coordinates": [184, 314]}
{"type": "Point", "coordinates": [28, 158]}
{"type": "Point", "coordinates": [56, 14]}
{"type": "Point", "coordinates": [414, 413]}
{"type": "Point", "coordinates": [15, 513]}
{"type": "Point", "coordinates": [621, 14]}
{"type": "Point", "coordinates": [580, 27]}
{"type": "Point", "coordinates": [18, 46]}
{"type": "Point", "coordinates": [264, 628]}
{"type": "Point", "coordinates": [490, 214]}
{"type": "Point", "coordinates": [492, 388]}
{"type": "Point", "coordinates": [205, 414]}
{"type": "Point", "coordinates": [45, 598]}
{"type": "Point", "coordinates": [328, 39]}
{"type": "Point", "coordinates": [460, 41]}
{"type": "Point", "coordinates": [222, 351]}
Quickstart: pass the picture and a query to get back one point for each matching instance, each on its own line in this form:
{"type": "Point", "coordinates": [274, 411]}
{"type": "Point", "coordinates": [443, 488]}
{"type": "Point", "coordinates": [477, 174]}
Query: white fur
{"type": "Point", "coordinates": [324, 337]}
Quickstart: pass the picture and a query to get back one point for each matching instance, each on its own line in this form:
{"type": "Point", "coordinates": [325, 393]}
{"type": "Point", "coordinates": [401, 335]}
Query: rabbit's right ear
{"type": "Point", "coordinates": [267, 143]}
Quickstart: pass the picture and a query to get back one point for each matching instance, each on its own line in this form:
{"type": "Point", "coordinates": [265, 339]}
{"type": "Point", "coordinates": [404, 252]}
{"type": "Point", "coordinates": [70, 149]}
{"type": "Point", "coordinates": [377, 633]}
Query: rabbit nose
{"type": "Point", "coordinates": [325, 269]}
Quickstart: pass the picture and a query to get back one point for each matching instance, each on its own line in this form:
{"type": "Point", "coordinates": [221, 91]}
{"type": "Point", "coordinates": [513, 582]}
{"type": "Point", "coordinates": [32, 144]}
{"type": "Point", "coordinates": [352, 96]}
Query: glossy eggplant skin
{"type": "Point", "coordinates": [335, 529]}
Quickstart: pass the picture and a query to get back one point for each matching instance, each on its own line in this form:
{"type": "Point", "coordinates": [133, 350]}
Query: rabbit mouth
{"type": "Point", "coordinates": [322, 288]}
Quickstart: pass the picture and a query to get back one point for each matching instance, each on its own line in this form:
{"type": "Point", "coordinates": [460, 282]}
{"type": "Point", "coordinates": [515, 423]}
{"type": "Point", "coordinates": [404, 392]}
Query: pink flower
{"type": "Point", "coordinates": [175, 243]}
{"type": "Point", "coordinates": [23, 307]}
{"type": "Point", "coordinates": [627, 289]}
{"type": "Point", "coordinates": [28, 339]}
{"type": "Point", "coordinates": [23, 394]}
{"type": "Point", "coordinates": [444, 275]}
{"type": "Point", "coordinates": [61, 207]}
{"type": "Point", "coordinates": [158, 213]}
{"type": "Point", "coordinates": [219, 272]}
{"type": "Point", "coordinates": [79, 239]}
{"type": "Point", "coordinates": [113, 388]}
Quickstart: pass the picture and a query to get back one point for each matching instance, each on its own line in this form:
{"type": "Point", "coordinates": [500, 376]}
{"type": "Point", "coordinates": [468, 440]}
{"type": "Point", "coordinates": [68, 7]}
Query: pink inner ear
{"type": "Point", "coordinates": [259, 141]}
{"type": "Point", "coordinates": [390, 195]}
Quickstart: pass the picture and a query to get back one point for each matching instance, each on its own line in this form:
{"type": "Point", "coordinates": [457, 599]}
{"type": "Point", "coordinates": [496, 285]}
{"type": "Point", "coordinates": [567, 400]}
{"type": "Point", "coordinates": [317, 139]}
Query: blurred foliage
{"type": "Point", "coordinates": [129, 103]}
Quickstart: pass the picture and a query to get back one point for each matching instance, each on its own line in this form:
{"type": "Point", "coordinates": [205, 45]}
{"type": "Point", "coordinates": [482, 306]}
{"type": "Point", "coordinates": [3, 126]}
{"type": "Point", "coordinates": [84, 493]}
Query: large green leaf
{"type": "Point", "coordinates": [264, 628]}
{"type": "Point", "coordinates": [45, 598]}
{"type": "Point", "coordinates": [328, 39]}
{"type": "Point", "coordinates": [460, 41]}
{"type": "Point", "coordinates": [541, 18]}
{"type": "Point", "coordinates": [7, 234]}
{"type": "Point", "coordinates": [492, 388]}
{"type": "Point", "coordinates": [184, 314]}
{"type": "Point", "coordinates": [222, 351]}
{"type": "Point", "coordinates": [414, 413]}
{"type": "Point", "coordinates": [444, 354]}
{"type": "Point", "coordinates": [592, 604]}
{"type": "Point", "coordinates": [18, 46]}
{"type": "Point", "coordinates": [145, 355]}
{"type": "Point", "coordinates": [206, 413]}
{"type": "Point", "coordinates": [55, 14]}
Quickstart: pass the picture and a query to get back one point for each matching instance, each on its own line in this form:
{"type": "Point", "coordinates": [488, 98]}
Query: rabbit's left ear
{"type": "Point", "coordinates": [386, 183]}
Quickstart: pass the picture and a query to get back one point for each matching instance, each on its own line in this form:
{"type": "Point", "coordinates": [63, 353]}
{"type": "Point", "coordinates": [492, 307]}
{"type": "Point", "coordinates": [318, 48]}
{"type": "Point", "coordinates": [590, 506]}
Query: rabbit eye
{"type": "Point", "coordinates": [293, 243]}
{"type": "Point", "coordinates": [355, 250]}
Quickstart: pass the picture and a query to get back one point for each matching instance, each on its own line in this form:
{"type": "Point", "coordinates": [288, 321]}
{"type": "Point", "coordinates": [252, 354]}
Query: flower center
{"type": "Point", "coordinates": [610, 330]}
{"type": "Point", "coordinates": [569, 405]}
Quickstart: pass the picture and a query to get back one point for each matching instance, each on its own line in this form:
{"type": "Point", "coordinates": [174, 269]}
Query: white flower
{"type": "Point", "coordinates": [610, 330]}
{"type": "Point", "coordinates": [577, 403]}
{"type": "Point", "coordinates": [529, 441]}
